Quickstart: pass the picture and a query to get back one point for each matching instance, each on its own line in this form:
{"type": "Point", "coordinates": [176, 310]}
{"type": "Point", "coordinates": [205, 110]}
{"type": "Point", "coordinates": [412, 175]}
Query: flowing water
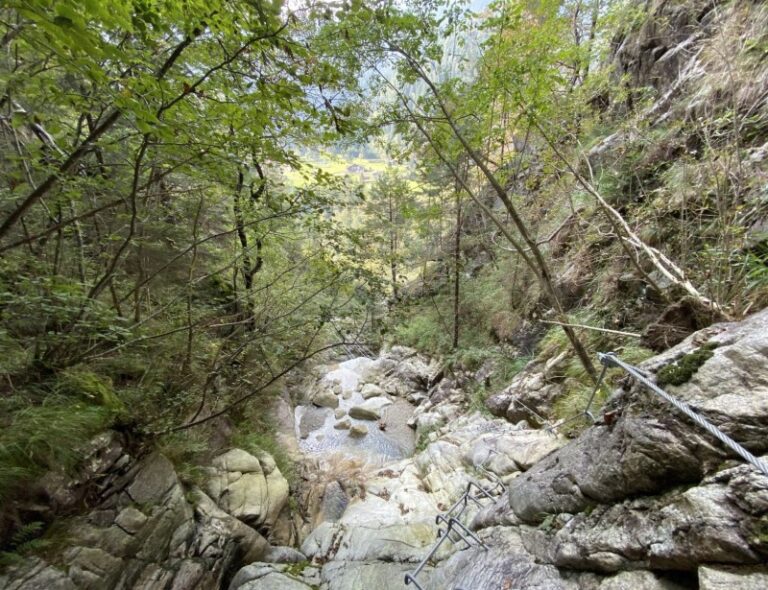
{"type": "Point", "coordinates": [387, 439]}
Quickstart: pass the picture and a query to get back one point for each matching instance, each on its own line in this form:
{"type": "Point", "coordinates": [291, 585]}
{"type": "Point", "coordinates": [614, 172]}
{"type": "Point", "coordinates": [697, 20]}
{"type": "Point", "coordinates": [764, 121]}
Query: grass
{"type": "Point", "coordinates": [423, 442]}
{"type": "Point", "coordinates": [186, 449]}
{"type": "Point", "coordinates": [576, 382]}
{"type": "Point", "coordinates": [24, 540]}
{"type": "Point", "coordinates": [47, 437]}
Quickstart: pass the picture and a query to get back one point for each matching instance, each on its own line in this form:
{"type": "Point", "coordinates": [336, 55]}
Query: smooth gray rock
{"type": "Point", "coordinates": [326, 399]}
{"type": "Point", "coordinates": [154, 479]}
{"type": "Point", "coordinates": [343, 424]}
{"type": "Point", "coordinates": [249, 488]}
{"type": "Point", "coordinates": [263, 576]}
{"type": "Point", "coordinates": [651, 447]}
{"type": "Point", "coordinates": [732, 578]}
{"type": "Point", "coordinates": [334, 503]}
{"type": "Point", "coordinates": [281, 554]}
{"type": "Point", "coordinates": [370, 390]}
{"type": "Point", "coordinates": [237, 460]}
{"type": "Point", "coordinates": [495, 568]}
{"type": "Point", "coordinates": [369, 409]}
{"type": "Point", "coordinates": [354, 575]}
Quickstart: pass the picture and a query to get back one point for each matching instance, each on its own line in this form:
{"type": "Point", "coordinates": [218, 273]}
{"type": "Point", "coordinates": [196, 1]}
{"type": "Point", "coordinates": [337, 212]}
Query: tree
{"type": "Point", "coordinates": [389, 209]}
{"type": "Point", "coordinates": [143, 209]}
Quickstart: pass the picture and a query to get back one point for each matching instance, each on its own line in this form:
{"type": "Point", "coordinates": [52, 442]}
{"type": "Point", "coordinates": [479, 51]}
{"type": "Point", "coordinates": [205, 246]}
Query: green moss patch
{"type": "Point", "coordinates": [685, 367]}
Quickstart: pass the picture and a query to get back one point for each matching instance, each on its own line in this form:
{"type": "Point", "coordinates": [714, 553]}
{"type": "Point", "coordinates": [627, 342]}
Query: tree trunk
{"type": "Point", "coordinates": [392, 248]}
{"type": "Point", "coordinates": [536, 262]}
{"type": "Point", "coordinates": [456, 270]}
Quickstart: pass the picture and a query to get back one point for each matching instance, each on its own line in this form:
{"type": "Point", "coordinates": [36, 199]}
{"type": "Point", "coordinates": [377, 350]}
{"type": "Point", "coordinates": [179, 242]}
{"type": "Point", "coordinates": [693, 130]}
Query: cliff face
{"type": "Point", "coordinates": [679, 147]}
{"type": "Point", "coordinates": [641, 499]}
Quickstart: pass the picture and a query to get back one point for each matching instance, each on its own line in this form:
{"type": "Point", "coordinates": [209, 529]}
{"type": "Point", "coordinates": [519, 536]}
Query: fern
{"type": "Point", "coordinates": [27, 539]}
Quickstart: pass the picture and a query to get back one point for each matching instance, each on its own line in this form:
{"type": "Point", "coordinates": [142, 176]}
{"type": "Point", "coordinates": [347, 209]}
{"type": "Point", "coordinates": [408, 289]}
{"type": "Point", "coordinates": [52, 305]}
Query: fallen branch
{"type": "Point", "coordinates": [606, 330]}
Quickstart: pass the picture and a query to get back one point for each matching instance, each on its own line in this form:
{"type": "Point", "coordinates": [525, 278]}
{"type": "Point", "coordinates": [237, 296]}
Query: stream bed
{"type": "Point", "coordinates": [388, 438]}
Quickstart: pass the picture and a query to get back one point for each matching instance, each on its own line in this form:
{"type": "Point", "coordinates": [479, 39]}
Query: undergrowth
{"type": "Point", "coordinates": [577, 385]}
{"type": "Point", "coordinates": [46, 437]}
{"type": "Point", "coordinates": [24, 540]}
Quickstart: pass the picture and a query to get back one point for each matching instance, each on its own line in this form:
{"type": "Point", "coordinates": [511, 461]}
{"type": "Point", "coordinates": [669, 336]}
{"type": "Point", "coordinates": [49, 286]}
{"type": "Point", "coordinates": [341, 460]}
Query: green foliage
{"type": "Point", "coordinates": [423, 441]}
{"type": "Point", "coordinates": [25, 539]}
{"type": "Point", "coordinates": [49, 437]}
{"type": "Point", "coordinates": [757, 273]}
{"type": "Point", "coordinates": [422, 328]}
{"type": "Point", "coordinates": [681, 370]}
{"type": "Point", "coordinates": [186, 449]}
{"type": "Point", "coordinates": [296, 569]}
{"type": "Point", "coordinates": [78, 382]}
{"type": "Point", "coordinates": [577, 386]}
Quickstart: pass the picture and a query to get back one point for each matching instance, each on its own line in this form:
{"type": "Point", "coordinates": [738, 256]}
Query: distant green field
{"type": "Point", "coordinates": [357, 170]}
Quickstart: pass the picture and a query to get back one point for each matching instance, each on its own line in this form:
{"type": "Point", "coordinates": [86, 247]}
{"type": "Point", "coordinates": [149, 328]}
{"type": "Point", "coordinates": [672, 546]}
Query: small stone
{"type": "Point", "coordinates": [340, 413]}
{"type": "Point", "coordinates": [343, 424]}
{"type": "Point", "coordinates": [370, 409]}
{"type": "Point", "coordinates": [358, 430]}
{"type": "Point", "coordinates": [325, 399]}
{"type": "Point", "coordinates": [362, 413]}
{"type": "Point", "coordinates": [371, 390]}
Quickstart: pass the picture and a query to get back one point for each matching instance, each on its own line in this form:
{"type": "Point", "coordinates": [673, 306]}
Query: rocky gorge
{"type": "Point", "coordinates": [642, 499]}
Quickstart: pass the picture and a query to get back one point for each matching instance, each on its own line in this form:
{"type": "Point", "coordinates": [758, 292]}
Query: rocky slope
{"type": "Point", "coordinates": [641, 500]}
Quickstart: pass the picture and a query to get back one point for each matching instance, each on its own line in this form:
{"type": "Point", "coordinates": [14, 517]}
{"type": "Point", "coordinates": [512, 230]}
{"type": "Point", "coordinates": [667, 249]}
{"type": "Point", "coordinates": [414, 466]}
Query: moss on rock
{"type": "Point", "coordinates": [685, 367]}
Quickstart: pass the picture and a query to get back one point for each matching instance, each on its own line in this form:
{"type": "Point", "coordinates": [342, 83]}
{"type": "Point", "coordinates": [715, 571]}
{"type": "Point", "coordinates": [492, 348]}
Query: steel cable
{"type": "Point", "coordinates": [610, 359]}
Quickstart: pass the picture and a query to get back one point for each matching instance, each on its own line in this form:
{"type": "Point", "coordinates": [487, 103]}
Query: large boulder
{"type": "Point", "coordinates": [249, 488]}
{"type": "Point", "coordinates": [716, 522]}
{"type": "Point", "coordinates": [652, 447]}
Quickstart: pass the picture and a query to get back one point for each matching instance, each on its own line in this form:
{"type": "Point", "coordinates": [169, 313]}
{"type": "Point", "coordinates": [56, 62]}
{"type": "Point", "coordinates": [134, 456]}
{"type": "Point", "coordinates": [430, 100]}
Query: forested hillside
{"type": "Point", "coordinates": [205, 206]}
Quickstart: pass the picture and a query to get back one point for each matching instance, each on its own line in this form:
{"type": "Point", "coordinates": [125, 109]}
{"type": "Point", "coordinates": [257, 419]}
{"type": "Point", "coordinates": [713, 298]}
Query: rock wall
{"type": "Point", "coordinates": [150, 532]}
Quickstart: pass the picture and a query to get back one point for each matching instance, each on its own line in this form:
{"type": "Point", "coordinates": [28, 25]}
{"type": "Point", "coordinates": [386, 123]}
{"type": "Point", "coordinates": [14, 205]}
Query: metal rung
{"type": "Point", "coordinates": [453, 525]}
